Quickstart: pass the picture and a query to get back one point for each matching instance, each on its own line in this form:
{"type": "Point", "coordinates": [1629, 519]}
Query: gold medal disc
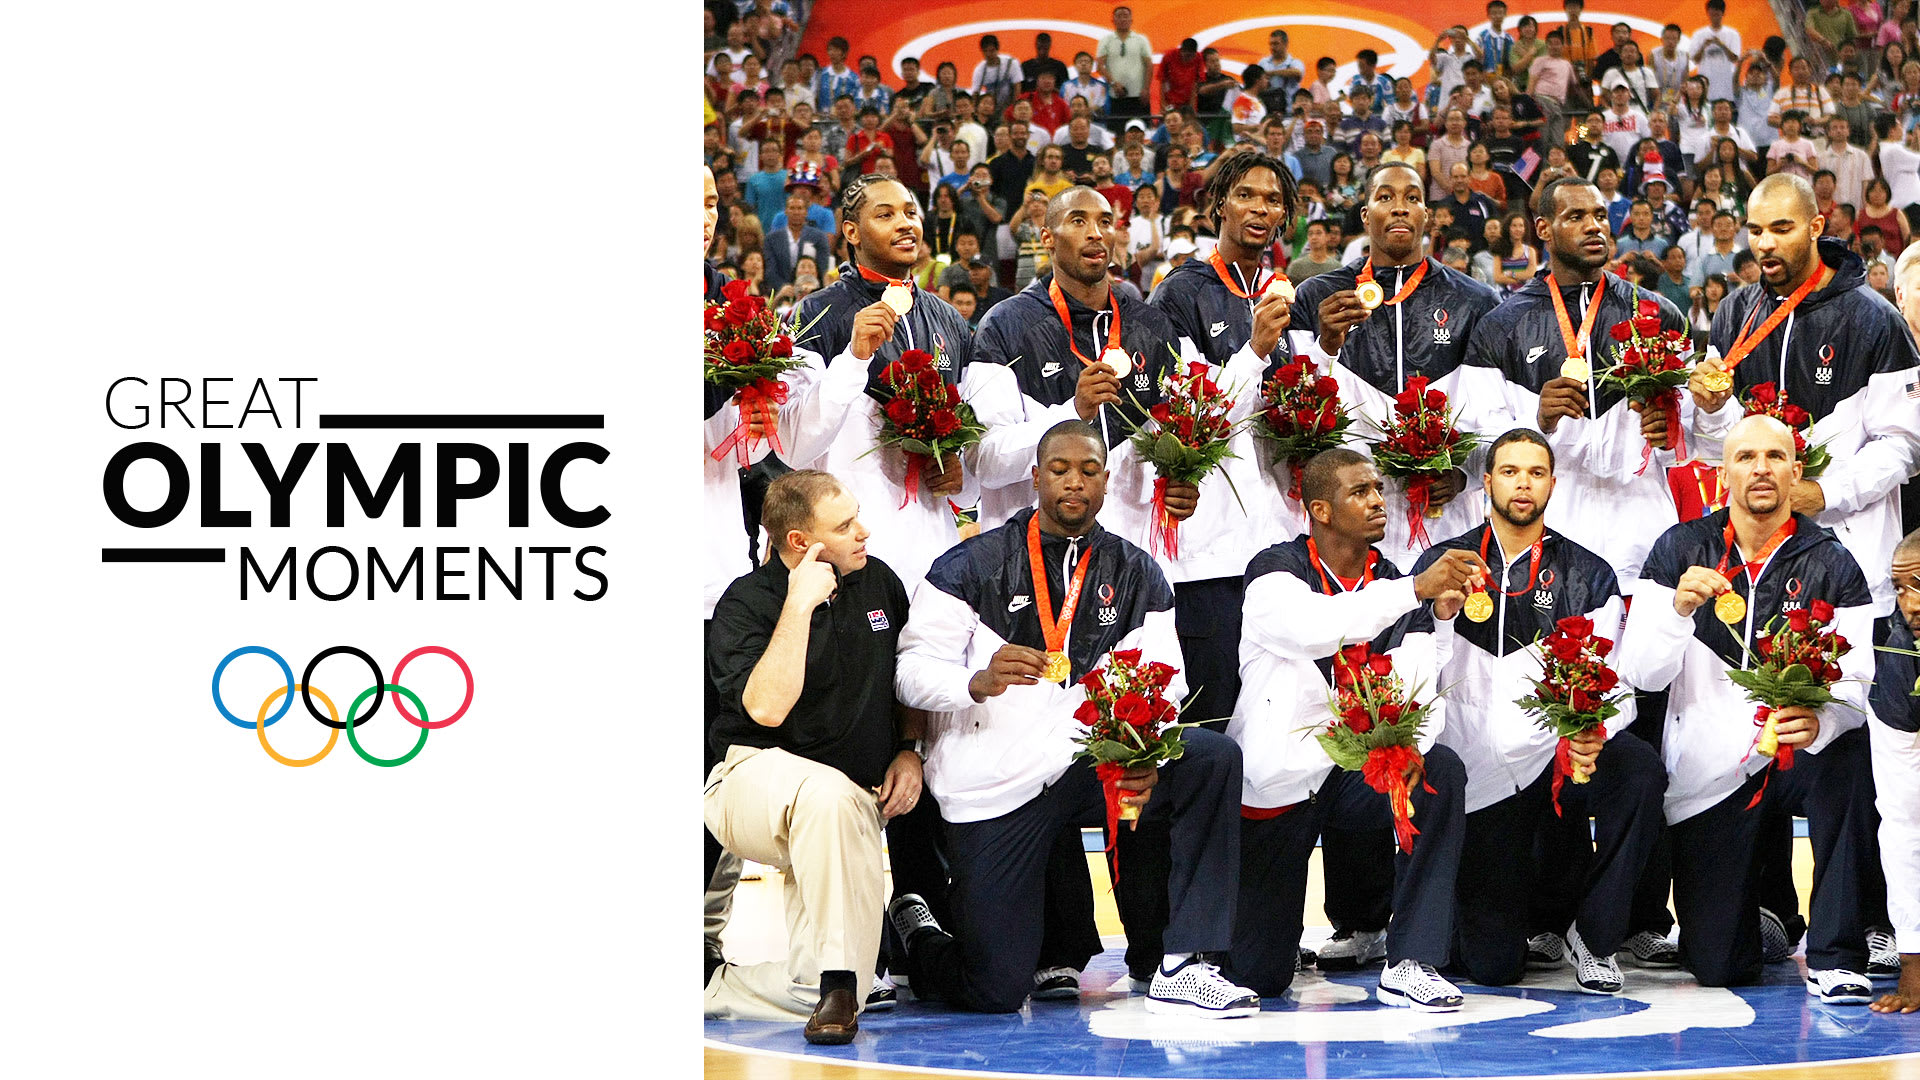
{"type": "Point", "coordinates": [1731, 608]}
{"type": "Point", "coordinates": [1575, 368]}
{"type": "Point", "coordinates": [1119, 361]}
{"type": "Point", "coordinates": [899, 298]}
{"type": "Point", "coordinates": [1370, 294]}
{"type": "Point", "coordinates": [1282, 287]}
{"type": "Point", "coordinates": [1058, 668]}
{"type": "Point", "coordinates": [1717, 382]}
{"type": "Point", "coordinates": [1479, 607]}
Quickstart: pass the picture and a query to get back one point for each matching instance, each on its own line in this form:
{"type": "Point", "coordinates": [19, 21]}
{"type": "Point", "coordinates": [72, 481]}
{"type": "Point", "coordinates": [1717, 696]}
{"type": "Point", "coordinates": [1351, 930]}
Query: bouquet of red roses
{"type": "Point", "coordinates": [1301, 415]}
{"type": "Point", "coordinates": [1765, 399]}
{"type": "Point", "coordinates": [1189, 438]}
{"type": "Point", "coordinates": [1420, 446]}
{"type": "Point", "coordinates": [1571, 695]}
{"type": "Point", "coordinates": [1650, 365]}
{"type": "Point", "coordinates": [924, 416]}
{"type": "Point", "coordinates": [1375, 730]}
{"type": "Point", "coordinates": [1799, 662]}
{"type": "Point", "coordinates": [747, 351]}
{"type": "Point", "coordinates": [1129, 723]}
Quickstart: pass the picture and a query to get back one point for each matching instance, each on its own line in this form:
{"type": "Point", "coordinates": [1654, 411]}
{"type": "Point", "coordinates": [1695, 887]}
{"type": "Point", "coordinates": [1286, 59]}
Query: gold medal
{"type": "Point", "coordinates": [1282, 287]}
{"type": "Point", "coordinates": [1731, 608]}
{"type": "Point", "coordinates": [1715, 381]}
{"type": "Point", "coordinates": [1371, 294]}
{"type": "Point", "coordinates": [1575, 368]}
{"type": "Point", "coordinates": [1058, 668]}
{"type": "Point", "coordinates": [899, 298]}
{"type": "Point", "coordinates": [1479, 607]}
{"type": "Point", "coordinates": [1119, 361]}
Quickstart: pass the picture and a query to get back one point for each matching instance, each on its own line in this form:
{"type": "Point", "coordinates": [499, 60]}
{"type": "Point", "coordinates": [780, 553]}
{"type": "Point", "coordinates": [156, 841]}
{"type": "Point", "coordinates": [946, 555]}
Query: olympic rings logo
{"type": "Point", "coordinates": [331, 719]}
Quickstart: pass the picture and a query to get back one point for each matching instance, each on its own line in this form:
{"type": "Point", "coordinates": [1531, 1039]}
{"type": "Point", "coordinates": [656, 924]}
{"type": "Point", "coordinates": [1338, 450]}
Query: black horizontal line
{"type": "Point", "coordinates": [114, 555]}
{"type": "Point", "coordinates": [463, 420]}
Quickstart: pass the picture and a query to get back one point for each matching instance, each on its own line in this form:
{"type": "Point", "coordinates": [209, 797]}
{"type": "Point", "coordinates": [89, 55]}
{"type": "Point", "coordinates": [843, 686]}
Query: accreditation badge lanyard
{"type": "Point", "coordinates": [1746, 342]}
{"type": "Point", "coordinates": [1413, 280]}
{"type": "Point", "coordinates": [1054, 630]}
{"type": "Point", "coordinates": [1060, 306]}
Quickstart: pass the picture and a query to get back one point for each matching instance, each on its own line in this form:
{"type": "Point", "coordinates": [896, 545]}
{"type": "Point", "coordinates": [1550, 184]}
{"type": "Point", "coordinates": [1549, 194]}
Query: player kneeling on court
{"type": "Point", "coordinates": [802, 652]}
{"type": "Point", "coordinates": [1305, 600]}
{"type": "Point", "coordinates": [1004, 627]}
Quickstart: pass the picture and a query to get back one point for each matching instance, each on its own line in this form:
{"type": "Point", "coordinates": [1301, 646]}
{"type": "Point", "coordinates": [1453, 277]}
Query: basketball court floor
{"type": "Point", "coordinates": [1331, 1027]}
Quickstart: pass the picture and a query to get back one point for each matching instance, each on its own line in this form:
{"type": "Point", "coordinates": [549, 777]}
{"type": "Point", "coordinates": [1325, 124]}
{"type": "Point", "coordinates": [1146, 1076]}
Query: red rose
{"type": "Point", "coordinates": [1290, 375]}
{"type": "Point", "coordinates": [1830, 672]}
{"type": "Point", "coordinates": [1127, 657]}
{"type": "Point", "coordinates": [1605, 679]}
{"type": "Point", "coordinates": [1647, 325]}
{"type": "Point", "coordinates": [1620, 331]}
{"type": "Point", "coordinates": [1088, 713]}
{"type": "Point", "coordinates": [1840, 644]}
{"type": "Point", "coordinates": [1389, 713]}
{"type": "Point", "coordinates": [1649, 307]}
{"type": "Point", "coordinates": [1794, 416]}
{"type": "Point", "coordinates": [1602, 646]}
{"type": "Point", "coordinates": [1183, 425]}
{"type": "Point", "coordinates": [1821, 610]}
{"type": "Point", "coordinates": [1356, 718]}
{"type": "Point", "coordinates": [1585, 701]}
{"type": "Point", "coordinates": [782, 346]}
{"type": "Point", "coordinates": [1763, 394]}
{"type": "Point", "coordinates": [1160, 675]}
{"type": "Point", "coordinates": [928, 381]}
{"type": "Point", "coordinates": [1799, 620]}
{"type": "Point", "coordinates": [1417, 386]}
{"type": "Point", "coordinates": [716, 318]}
{"type": "Point", "coordinates": [1799, 444]}
{"type": "Point", "coordinates": [1328, 420]}
{"type": "Point", "coordinates": [1197, 370]}
{"type": "Point", "coordinates": [740, 313]}
{"type": "Point", "coordinates": [1162, 413]}
{"type": "Point", "coordinates": [1381, 665]}
{"type": "Point", "coordinates": [738, 352]}
{"type": "Point", "coordinates": [893, 374]}
{"type": "Point", "coordinates": [1095, 681]}
{"type": "Point", "coordinates": [945, 423]}
{"type": "Point", "coordinates": [916, 360]}
{"type": "Point", "coordinates": [1405, 401]}
{"type": "Point", "coordinates": [1563, 648]}
{"type": "Point", "coordinates": [900, 411]}
{"type": "Point", "coordinates": [734, 290]}
{"type": "Point", "coordinates": [953, 394]}
{"type": "Point", "coordinates": [1763, 644]}
{"type": "Point", "coordinates": [1132, 710]}
{"type": "Point", "coordinates": [1326, 387]}
{"type": "Point", "coordinates": [1576, 626]}
{"type": "Point", "coordinates": [1436, 400]}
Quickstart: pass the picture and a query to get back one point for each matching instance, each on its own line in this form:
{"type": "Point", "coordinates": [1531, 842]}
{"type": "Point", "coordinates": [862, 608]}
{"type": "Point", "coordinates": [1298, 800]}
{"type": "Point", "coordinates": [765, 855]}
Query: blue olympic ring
{"type": "Point", "coordinates": [285, 704]}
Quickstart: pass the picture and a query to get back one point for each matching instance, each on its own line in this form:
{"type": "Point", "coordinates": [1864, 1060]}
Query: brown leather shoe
{"type": "Point", "coordinates": [835, 1020]}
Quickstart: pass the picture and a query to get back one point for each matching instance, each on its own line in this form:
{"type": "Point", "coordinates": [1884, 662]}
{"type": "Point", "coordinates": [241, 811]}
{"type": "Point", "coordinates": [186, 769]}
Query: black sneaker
{"type": "Point", "coordinates": [1775, 946]}
{"type": "Point", "coordinates": [1306, 959]}
{"type": "Point", "coordinates": [1651, 950]}
{"type": "Point", "coordinates": [1056, 984]}
{"type": "Point", "coordinates": [883, 996]}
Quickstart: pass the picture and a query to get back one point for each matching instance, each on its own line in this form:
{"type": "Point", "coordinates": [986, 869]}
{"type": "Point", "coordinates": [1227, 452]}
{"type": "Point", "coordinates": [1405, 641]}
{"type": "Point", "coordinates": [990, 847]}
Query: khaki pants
{"type": "Point", "coordinates": [823, 830]}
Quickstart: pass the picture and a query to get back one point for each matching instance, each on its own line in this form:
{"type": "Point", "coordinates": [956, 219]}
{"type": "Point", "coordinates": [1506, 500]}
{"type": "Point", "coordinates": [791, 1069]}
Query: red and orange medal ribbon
{"type": "Point", "coordinates": [1366, 575]}
{"type": "Point", "coordinates": [1365, 277]}
{"type": "Point", "coordinates": [1052, 629]}
{"type": "Point", "coordinates": [1229, 278]}
{"type": "Point", "coordinates": [1060, 306]}
{"type": "Point", "coordinates": [1576, 343]}
{"type": "Point", "coordinates": [1479, 605]}
{"type": "Point", "coordinates": [1745, 342]}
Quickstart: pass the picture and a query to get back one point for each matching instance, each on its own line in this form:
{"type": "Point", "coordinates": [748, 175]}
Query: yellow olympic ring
{"type": "Point", "coordinates": [260, 728]}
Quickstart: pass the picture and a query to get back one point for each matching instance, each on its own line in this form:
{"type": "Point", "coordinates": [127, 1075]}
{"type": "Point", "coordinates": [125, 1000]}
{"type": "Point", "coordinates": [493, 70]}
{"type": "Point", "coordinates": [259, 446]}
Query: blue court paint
{"type": "Point", "coordinates": [1333, 1028]}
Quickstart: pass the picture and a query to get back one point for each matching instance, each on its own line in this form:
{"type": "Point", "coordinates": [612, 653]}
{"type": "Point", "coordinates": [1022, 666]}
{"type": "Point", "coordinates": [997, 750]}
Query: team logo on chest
{"type": "Point", "coordinates": [1441, 335]}
{"type": "Point", "coordinates": [1824, 373]}
{"type": "Point", "coordinates": [1108, 613]}
{"type": "Point", "coordinates": [1543, 596]}
{"type": "Point", "coordinates": [1792, 600]}
{"type": "Point", "coordinates": [877, 620]}
{"type": "Point", "coordinates": [943, 359]}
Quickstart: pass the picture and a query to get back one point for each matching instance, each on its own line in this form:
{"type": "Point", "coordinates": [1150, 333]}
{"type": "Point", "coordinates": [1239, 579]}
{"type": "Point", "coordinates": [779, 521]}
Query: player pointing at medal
{"type": "Point", "coordinates": [1834, 347]}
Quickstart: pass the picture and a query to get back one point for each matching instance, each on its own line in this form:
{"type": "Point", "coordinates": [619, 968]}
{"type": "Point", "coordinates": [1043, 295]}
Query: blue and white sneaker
{"type": "Point", "coordinates": [1197, 988]}
{"type": "Point", "coordinates": [1838, 986]}
{"type": "Point", "coordinates": [1413, 985]}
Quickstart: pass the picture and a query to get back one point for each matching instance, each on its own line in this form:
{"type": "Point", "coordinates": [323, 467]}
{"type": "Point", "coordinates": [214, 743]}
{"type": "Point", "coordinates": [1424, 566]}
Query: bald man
{"type": "Point", "coordinates": [1895, 734]}
{"type": "Point", "coordinates": [1720, 788]}
{"type": "Point", "coordinates": [1838, 350]}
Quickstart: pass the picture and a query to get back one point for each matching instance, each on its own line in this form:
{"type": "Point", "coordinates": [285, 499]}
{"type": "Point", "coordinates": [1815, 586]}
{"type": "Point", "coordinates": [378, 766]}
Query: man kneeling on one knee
{"type": "Point", "coordinates": [803, 655]}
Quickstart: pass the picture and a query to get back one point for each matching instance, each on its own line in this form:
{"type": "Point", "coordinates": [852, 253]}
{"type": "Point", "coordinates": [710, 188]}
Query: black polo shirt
{"type": "Point", "coordinates": [845, 713]}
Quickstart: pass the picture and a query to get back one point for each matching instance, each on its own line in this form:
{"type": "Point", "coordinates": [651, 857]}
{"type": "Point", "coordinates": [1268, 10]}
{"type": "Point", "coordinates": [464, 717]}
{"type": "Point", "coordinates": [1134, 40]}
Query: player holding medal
{"type": "Point", "coordinates": [987, 653]}
{"type": "Point", "coordinates": [1682, 636]}
{"type": "Point", "coordinates": [1546, 341]}
{"type": "Point", "coordinates": [1393, 316]}
{"type": "Point", "coordinates": [1538, 578]}
{"type": "Point", "coordinates": [1834, 347]}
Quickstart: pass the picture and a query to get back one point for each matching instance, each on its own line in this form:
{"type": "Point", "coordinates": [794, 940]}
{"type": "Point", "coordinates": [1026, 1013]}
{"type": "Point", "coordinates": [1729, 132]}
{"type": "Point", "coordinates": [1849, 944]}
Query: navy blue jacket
{"type": "Point", "coordinates": [931, 325]}
{"type": "Point", "coordinates": [1573, 581]}
{"type": "Point", "coordinates": [1895, 676]}
{"type": "Point", "coordinates": [1424, 335]}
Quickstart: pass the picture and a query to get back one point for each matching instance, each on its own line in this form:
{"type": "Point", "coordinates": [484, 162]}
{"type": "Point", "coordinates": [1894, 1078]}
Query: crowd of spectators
{"type": "Point", "coordinates": [1675, 132]}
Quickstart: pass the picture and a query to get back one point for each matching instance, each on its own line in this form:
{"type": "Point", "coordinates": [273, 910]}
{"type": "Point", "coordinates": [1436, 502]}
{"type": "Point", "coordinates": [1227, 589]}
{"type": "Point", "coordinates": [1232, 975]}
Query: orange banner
{"type": "Point", "coordinates": [937, 30]}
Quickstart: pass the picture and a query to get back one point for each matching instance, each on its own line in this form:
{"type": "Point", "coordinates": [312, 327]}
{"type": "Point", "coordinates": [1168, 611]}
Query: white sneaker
{"type": "Point", "coordinates": [1196, 988]}
{"type": "Point", "coordinates": [1546, 951]}
{"type": "Point", "coordinates": [1414, 985]}
{"type": "Point", "coordinates": [1594, 974]}
{"type": "Point", "coordinates": [1056, 984]}
{"type": "Point", "coordinates": [1775, 946]}
{"type": "Point", "coordinates": [1838, 986]}
{"type": "Point", "coordinates": [1651, 950]}
{"type": "Point", "coordinates": [1352, 952]}
{"type": "Point", "coordinates": [1883, 958]}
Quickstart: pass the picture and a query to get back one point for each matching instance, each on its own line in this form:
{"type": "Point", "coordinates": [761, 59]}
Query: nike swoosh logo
{"type": "Point", "coordinates": [1216, 329]}
{"type": "Point", "coordinates": [1017, 603]}
{"type": "Point", "coordinates": [1050, 369]}
{"type": "Point", "coordinates": [1535, 353]}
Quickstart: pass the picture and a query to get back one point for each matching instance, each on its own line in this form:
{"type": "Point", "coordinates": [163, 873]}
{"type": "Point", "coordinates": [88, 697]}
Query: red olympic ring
{"type": "Point", "coordinates": [464, 670]}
